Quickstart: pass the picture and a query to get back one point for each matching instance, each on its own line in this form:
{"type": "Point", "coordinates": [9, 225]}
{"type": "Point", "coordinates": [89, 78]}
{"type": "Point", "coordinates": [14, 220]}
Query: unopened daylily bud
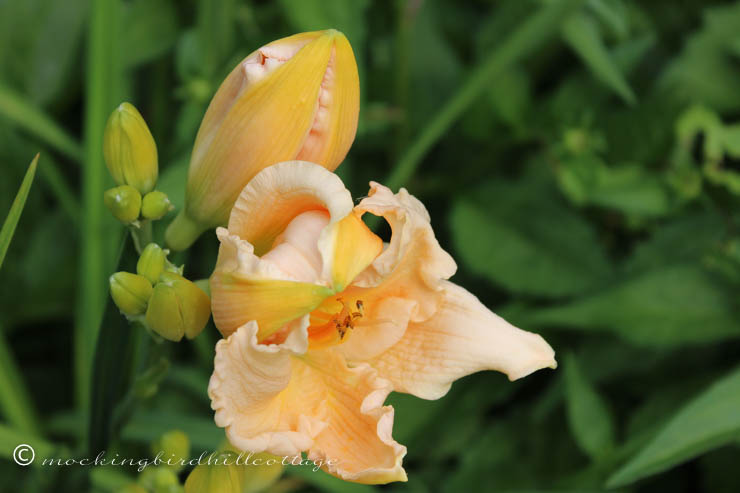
{"type": "Point", "coordinates": [221, 474]}
{"type": "Point", "coordinates": [152, 262]}
{"type": "Point", "coordinates": [155, 205]}
{"type": "Point", "coordinates": [177, 307]}
{"type": "Point", "coordinates": [129, 149]}
{"type": "Point", "coordinates": [130, 292]}
{"type": "Point", "coordinates": [175, 448]}
{"type": "Point", "coordinates": [123, 202]}
{"type": "Point", "coordinates": [295, 98]}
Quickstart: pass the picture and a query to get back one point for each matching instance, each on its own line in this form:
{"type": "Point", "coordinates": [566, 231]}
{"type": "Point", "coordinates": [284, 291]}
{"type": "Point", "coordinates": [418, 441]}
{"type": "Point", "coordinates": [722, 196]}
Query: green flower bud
{"type": "Point", "coordinates": [133, 488]}
{"type": "Point", "coordinates": [155, 205]}
{"type": "Point", "coordinates": [129, 149]}
{"type": "Point", "coordinates": [152, 262]}
{"type": "Point", "coordinates": [160, 480]}
{"type": "Point", "coordinates": [219, 478]}
{"type": "Point", "coordinates": [123, 202]}
{"type": "Point", "coordinates": [177, 307]}
{"type": "Point", "coordinates": [175, 447]}
{"type": "Point", "coordinates": [130, 292]}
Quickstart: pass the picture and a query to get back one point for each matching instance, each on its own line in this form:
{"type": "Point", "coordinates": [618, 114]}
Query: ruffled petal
{"type": "Point", "coordinates": [250, 392]}
{"type": "Point", "coordinates": [245, 287]}
{"type": "Point", "coordinates": [461, 338]}
{"type": "Point", "coordinates": [279, 193]}
{"type": "Point", "coordinates": [273, 398]}
{"type": "Point", "coordinates": [413, 264]}
{"type": "Point", "coordinates": [351, 246]}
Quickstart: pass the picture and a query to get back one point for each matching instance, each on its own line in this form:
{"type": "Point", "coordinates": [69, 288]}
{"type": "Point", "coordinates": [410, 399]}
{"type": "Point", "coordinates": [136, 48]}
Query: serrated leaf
{"type": "Point", "coordinates": [11, 221]}
{"type": "Point", "coordinates": [588, 415]}
{"type": "Point", "coordinates": [708, 421]}
{"type": "Point", "coordinates": [583, 36]}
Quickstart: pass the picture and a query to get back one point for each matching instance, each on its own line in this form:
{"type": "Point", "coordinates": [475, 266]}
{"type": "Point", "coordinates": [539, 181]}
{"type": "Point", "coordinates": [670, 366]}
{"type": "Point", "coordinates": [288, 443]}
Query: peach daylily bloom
{"type": "Point", "coordinates": [322, 321]}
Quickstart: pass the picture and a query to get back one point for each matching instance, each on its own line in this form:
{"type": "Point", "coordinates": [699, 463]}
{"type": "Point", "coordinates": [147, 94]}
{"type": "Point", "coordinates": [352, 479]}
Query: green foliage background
{"type": "Point", "coordinates": [580, 160]}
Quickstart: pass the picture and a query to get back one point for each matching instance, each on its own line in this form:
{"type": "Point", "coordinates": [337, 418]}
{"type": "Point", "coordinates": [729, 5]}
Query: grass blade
{"type": "Point", "coordinates": [582, 34]}
{"type": "Point", "coordinates": [524, 40]}
{"type": "Point", "coordinates": [15, 108]}
{"type": "Point", "coordinates": [6, 234]}
{"type": "Point", "coordinates": [709, 421]}
{"type": "Point", "coordinates": [103, 86]}
{"type": "Point", "coordinates": [15, 401]}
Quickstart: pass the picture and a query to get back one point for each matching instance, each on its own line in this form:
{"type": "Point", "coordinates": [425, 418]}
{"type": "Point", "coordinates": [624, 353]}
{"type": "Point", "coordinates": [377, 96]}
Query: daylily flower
{"type": "Point", "coordinates": [295, 98]}
{"type": "Point", "coordinates": [322, 320]}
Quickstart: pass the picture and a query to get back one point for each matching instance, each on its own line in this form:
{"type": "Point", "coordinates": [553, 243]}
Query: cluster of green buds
{"type": "Point", "coordinates": [160, 298]}
{"type": "Point", "coordinates": [131, 156]}
{"type": "Point", "coordinates": [173, 449]}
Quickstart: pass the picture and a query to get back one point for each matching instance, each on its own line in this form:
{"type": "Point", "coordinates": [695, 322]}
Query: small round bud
{"type": "Point", "coordinates": [177, 307]}
{"type": "Point", "coordinates": [175, 448]}
{"type": "Point", "coordinates": [155, 205]}
{"type": "Point", "coordinates": [159, 480]}
{"type": "Point", "coordinates": [130, 292]}
{"type": "Point", "coordinates": [129, 149]}
{"type": "Point", "coordinates": [152, 262]}
{"type": "Point", "coordinates": [123, 202]}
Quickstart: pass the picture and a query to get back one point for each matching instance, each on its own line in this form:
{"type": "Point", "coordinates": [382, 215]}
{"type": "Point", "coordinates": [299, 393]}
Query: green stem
{"type": "Point", "coordinates": [142, 235]}
{"type": "Point", "coordinates": [182, 232]}
{"type": "Point", "coordinates": [534, 32]}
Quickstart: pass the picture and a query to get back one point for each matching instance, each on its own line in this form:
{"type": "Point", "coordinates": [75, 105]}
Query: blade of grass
{"type": "Point", "coordinates": [102, 78]}
{"type": "Point", "coordinates": [15, 108]}
{"type": "Point", "coordinates": [15, 401]}
{"type": "Point", "coordinates": [582, 34]}
{"type": "Point", "coordinates": [58, 186]}
{"type": "Point", "coordinates": [6, 233]}
{"type": "Point", "coordinates": [11, 438]}
{"type": "Point", "coordinates": [534, 32]}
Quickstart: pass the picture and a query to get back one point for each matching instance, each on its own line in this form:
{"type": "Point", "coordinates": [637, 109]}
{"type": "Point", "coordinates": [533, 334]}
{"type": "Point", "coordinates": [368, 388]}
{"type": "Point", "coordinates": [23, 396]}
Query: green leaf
{"type": "Point", "coordinates": [11, 221]}
{"type": "Point", "coordinates": [116, 360]}
{"type": "Point", "coordinates": [525, 39]}
{"type": "Point", "coordinates": [667, 306]}
{"type": "Point", "coordinates": [25, 115]}
{"type": "Point", "coordinates": [10, 438]}
{"type": "Point", "coordinates": [588, 415]}
{"type": "Point", "coordinates": [522, 237]}
{"type": "Point", "coordinates": [151, 30]}
{"type": "Point", "coordinates": [707, 422]}
{"type": "Point", "coordinates": [582, 34]}
{"type": "Point", "coordinates": [15, 400]}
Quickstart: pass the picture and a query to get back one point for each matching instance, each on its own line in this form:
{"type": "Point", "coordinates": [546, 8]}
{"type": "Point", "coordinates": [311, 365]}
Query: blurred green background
{"type": "Point", "coordinates": [580, 160]}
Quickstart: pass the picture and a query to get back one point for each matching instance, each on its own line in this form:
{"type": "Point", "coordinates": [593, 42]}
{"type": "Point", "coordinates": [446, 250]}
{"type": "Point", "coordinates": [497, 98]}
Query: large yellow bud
{"type": "Point", "coordinates": [295, 98]}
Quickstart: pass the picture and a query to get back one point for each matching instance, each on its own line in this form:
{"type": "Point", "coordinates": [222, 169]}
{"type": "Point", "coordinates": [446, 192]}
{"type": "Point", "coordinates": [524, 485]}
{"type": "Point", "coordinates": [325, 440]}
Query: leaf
{"type": "Point", "coordinates": [151, 30]}
{"type": "Point", "coordinates": [15, 400]}
{"type": "Point", "coordinates": [529, 35]}
{"type": "Point", "coordinates": [667, 306]}
{"type": "Point", "coordinates": [588, 415]}
{"type": "Point", "coordinates": [55, 45]}
{"type": "Point", "coordinates": [14, 215]}
{"type": "Point", "coordinates": [707, 422]}
{"type": "Point", "coordinates": [25, 115]}
{"type": "Point", "coordinates": [582, 34]}
{"type": "Point", "coordinates": [10, 438]}
{"type": "Point", "coordinates": [704, 72]}
{"type": "Point", "coordinates": [116, 360]}
{"type": "Point", "coordinates": [520, 236]}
